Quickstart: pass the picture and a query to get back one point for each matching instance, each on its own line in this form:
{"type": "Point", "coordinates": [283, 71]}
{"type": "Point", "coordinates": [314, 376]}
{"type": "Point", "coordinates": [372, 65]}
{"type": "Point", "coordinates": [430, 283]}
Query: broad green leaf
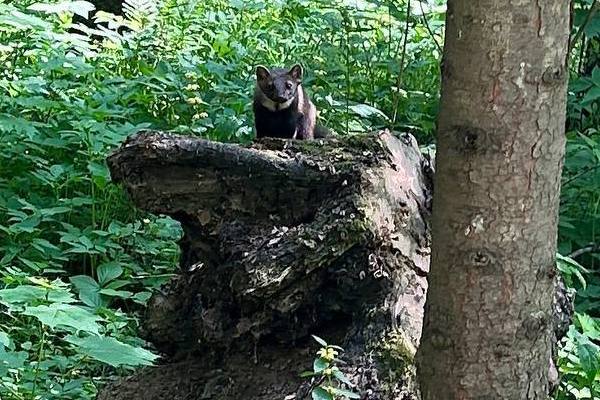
{"type": "Point", "coordinates": [580, 85]}
{"type": "Point", "coordinates": [588, 326]}
{"type": "Point", "coordinates": [108, 272]}
{"type": "Point", "coordinates": [27, 225]}
{"type": "Point", "coordinates": [591, 96]}
{"type": "Point", "coordinates": [99, 173]}
{"type": "Point", "coordinates": [142, 297]}
{"type": "Point", "coordinates": [320, 364]}
{"type": "Point", "coordinates": [341, 377]}
{"type": "Point", "coordinates": [11, 360]}
{"type": "Point", "coordinates": [89, 290]}
{"type": "Point", "coordinates": [65, 315]}
{"type": "Point", "coordinates": [589, 356]}
{"type": "Point", "coordinates": [111, 351]}
{"type": "Point", "coordinates": [28, 294]}
{"type": "Point", "coordinates": [319, 393]}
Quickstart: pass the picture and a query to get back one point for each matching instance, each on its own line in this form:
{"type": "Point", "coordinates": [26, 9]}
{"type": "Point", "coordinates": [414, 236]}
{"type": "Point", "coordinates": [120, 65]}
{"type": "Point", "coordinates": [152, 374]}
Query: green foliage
{"type": "Point", "coordinates": [71, 245]}
{"type": "Point", "coordinates": [579, 361]}
{"type": "Point", "coordinates": [78, 262]}
{"type": "Point", "coordinates": [326, 376]}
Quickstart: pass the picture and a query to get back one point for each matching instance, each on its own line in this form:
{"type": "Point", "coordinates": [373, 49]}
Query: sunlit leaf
{"type": "Point", "coordinates": [65, 315]}
{"type": "Point", "coordinates": [111, 351]}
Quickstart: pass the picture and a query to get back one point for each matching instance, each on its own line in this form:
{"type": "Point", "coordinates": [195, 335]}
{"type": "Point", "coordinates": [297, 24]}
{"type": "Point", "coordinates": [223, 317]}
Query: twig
{"type": "Point", "coordinates": [439, 47]}
{"type": "Point", "coordinates": [402, 57]}
{"type": "Point", "coordinates": [579, 175]}
{"type": "Point", "coordinates": [592, 248]}
{"type": "Point", "coordinates": [313, 385]}
{"type": "Point", "coordinates": [593, 10]}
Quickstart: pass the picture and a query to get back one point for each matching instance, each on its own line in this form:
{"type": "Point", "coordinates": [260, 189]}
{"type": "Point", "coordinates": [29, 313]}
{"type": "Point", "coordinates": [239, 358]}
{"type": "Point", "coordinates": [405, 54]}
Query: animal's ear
{"type": "Point", "coordinates": [262, 73]}
{"type": "Point", "coordinates": [296, 72]}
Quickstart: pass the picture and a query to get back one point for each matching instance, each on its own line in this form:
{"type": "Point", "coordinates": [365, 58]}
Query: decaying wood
{"type": "Point", "coordinates": [283, 239]}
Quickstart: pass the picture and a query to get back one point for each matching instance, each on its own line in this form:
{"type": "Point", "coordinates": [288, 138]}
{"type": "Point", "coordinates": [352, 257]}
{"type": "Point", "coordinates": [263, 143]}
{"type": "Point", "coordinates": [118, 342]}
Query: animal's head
{"type": "Point", "coordinates": [279, 84]}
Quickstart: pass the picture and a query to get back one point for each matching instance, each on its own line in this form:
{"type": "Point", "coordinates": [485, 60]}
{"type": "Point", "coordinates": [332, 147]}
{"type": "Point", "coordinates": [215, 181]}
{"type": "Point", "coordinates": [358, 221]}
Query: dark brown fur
{"type": "Point", "coordinates": [282, 107]}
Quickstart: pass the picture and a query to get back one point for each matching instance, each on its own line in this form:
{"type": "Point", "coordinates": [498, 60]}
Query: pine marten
{"type": "Point", "coordinates": [282, 109]}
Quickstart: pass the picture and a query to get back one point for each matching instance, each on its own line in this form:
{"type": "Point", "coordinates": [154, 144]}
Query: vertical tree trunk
{"type": "Point", "coordinates": [500, 150]}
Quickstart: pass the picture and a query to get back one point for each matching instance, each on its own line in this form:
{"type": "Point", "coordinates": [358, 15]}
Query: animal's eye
{"type": "Point", "coordinates": [270, 85]}
{"type": "Point", "coordinates": [288, 85]}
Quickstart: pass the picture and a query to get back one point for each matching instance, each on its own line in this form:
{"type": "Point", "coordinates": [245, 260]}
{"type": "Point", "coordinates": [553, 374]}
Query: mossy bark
{"type": "Point", "coordinates": [283, 239]}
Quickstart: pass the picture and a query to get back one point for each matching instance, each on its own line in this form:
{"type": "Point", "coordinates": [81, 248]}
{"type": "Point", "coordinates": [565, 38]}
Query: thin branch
{"type": "Point", "coordinates": [439, 47]}
{"type": "Point", "coordinates": [593, 10]}
{"type": "Point", "coordinates": [579, 175]}
{"type": "Point", "coordinates": [592, 248]}
{"type": "Point", "coordinates": [313, 385]}
{"type": "Point", "coordinates": [402, 57]}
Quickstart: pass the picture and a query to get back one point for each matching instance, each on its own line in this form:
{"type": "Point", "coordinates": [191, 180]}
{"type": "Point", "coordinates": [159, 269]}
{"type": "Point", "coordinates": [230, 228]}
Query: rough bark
{"type": "Point", "coordinates": [487, 330]}
{"type": "Point", "coordinates": [282, 240]}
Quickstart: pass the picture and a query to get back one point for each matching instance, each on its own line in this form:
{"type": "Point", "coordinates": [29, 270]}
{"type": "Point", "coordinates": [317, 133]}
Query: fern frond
{"type": "Point", "coordinates": [141, 12]}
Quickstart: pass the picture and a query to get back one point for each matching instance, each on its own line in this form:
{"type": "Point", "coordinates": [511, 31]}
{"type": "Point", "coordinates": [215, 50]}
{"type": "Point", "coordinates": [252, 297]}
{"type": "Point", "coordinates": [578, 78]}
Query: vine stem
{"type": "Point", "coordinates": [39, 360]}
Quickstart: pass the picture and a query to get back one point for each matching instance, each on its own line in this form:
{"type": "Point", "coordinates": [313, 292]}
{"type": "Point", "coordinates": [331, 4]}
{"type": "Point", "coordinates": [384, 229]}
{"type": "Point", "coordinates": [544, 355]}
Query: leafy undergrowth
{"type": "Point", "coordinates": [78, 262]}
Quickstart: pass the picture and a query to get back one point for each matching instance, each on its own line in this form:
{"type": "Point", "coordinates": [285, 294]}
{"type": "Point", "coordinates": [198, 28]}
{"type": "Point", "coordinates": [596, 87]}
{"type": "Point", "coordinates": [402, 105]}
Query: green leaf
{"type": "Point", "coordinates": [341, 377]}
{"type": "Point", "coordinates": [589, 357]}
{"type": "Point", "coordinates": [319, 393]}
{"type": "Point", "coordinates": [596, 76]}
{"type": "Point", "coordinates": [591, 96]}
{"type": "Point", "coordinates": [108, 272]}
{"type": "Point", "coordinates": [320, 364]}
{"type": "Point", "coordinates": [568, 266]}
{"type": "Point", "coordinates": [116, 293]}
{"type": "Point", "coordinates": [27, 225]}
{"type": "Point", "coordinates": [111, 351]}
{"type": "Point", "coordinates": [5, 340]}
{"type": "Point", "coordinates": [54, 211]}
{"type": "Point", "coordinates": [366, 111]}
{"type": "Point", "coordinates": [99, 173]}
{"type": "Point", "coordinates": [84, 282]}
{"type": "Point", "coordinates": [86, 242]}
{"type": "Point", "coordinates": [27, 294]}
{"type": "Point", "coordinates": [11, 360]}
{"type": "Point", "coordinates": [89, 290]}
{"type": "Point", "coordinates": [65, 315]}
{"type": "Point", "coordinates": [345, 393]}
{"type": "Point", "coordinates": [580, 85]}
{"type": "Point", "coordinates": [320, 341]}
{"type": "Point", "coordinates": [588, 325]}
{"type": "Point", "coordinates": [142, 297]}
{"type": "Point", "coordinates": [78, 7]}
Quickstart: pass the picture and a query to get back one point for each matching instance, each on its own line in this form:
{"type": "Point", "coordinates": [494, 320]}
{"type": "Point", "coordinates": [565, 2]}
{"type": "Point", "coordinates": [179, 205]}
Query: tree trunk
{"type": "Point", "coordinates": [282, 239]}
{"type": "Point", "coordinates": [487, 330]}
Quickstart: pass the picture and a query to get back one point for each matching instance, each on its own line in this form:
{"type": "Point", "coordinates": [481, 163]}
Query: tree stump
{"type": "Point", "coordinates": [283, 239]}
